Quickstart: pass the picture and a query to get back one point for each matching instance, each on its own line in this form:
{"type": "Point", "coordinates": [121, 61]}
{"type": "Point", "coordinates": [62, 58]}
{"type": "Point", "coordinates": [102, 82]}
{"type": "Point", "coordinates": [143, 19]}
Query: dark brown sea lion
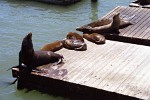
{"type": "Point", "coordinates": [74, 45]}
{"type": "Point", "coordinates": [142, 2]}
{"type": "Point", "coordinates": [95, 38]}
{"type": "Point", "coordinates": [55, 46]}
{"type": "Point", "coordinates": [30, 59]}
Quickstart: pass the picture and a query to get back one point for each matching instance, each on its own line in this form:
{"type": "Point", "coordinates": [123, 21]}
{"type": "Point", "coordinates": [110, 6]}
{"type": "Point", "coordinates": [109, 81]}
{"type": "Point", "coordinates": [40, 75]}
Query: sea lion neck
{"type": "Point", "coordinates": [116, 21]}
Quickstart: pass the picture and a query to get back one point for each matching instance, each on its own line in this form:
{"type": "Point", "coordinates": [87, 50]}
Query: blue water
{"type": "Point", "coordinates": [47, 23]}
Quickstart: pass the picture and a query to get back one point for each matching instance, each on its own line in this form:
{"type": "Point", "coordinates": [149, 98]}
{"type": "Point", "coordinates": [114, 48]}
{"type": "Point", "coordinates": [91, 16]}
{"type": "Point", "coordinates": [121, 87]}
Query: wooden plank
{"type": "Point", "coordinates": [135, 76]}
{"type": "Point", "coordinates": [125, 72]}
{"type": "Point", "coordinates": [86, 65]}
{"type": "Point", "coordinates": [142, 22]}
{"type": "Point", "coordinates": [98, 63]}
{"type": "Point", "coordinates": [102, 73]}
{"type": "Point", "coordinates": [120, 67]}
{"type": "Point", "coordinates": [144, 32]}
{"type": "Point", "coordinates": [137, 19]}
{"type": "Point", "coordinates": [130, 15]}
{"type": "Point", "coordinates": [135, 88]}
{"type": "Point", "coordinates": [104, 68]}
{"type": "Point", "coordinates": [83, 56]}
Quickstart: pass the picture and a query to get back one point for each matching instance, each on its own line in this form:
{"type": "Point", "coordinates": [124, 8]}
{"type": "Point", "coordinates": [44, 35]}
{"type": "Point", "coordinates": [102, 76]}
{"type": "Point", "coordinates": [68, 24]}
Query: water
{"type": "Point", "coordinates": [47, 23]}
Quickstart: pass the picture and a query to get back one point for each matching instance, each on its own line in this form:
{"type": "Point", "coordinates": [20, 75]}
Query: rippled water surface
{"type": "Point", "coordinates": [47, 23]}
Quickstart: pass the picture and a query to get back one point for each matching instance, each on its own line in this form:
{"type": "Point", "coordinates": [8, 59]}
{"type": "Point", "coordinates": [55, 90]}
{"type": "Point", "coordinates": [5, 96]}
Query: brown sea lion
{"type": "Point", "coordinates": [124, 23]}
{"type": "Point", "coordinates": [30, 59]}
{"type": "Point", "coordinates": [104, 26]}
{"type": "Point", "coordinates": [74, 41]}
{"type": "Point", "coordinates": [74, 45]}
{"type": "Point", "coordinates": [74, 36]}
{"type": "Point", "coordinates": [54, 46]}
{"type": "Point", "coordinates": [95, 38]}
{"type": "Point", "coordinates": [109, 28]}
{"type": "Point", "coordinates": [94, 24]}
{"type": "Point", "coordinates": [102, 22]}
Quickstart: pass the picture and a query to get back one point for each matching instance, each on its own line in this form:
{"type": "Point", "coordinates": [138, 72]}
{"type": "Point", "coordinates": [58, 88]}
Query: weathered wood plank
{"type": "Point", "coordinates": [135, 76]}
{"type": "Point", "coordinates": [124, 73]}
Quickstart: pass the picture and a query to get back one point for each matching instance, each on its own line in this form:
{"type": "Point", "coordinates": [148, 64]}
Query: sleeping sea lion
{"type": "Point", "coordinates": [95, 38]}
{"type": "Point", "coordinates": [74, 36]}
{"type": "Point", "coordinates": [74, 41]}
{"type": "Point", "coordinates": [30, 59]}
{"type": "Point", "coordinates": [74, 45]}
{"type": "Point", "coordinates": [55, 46]}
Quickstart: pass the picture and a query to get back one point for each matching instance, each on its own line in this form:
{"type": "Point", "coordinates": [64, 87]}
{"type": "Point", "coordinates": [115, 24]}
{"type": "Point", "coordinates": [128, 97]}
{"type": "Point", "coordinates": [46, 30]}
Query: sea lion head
{"type": "Point", "coordinates": [27, 44]}
{"type": "Point", "coordinates": [84, 29]}
{"type": "Point", "coordinates": [116, 22]}
{"type": "Point", "coordinates": [116, 17]}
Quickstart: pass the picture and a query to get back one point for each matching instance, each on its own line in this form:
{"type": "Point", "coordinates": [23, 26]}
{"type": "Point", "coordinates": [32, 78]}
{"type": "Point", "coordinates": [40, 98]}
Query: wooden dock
{"type": "Point", "coordinates": [59, 2]}
{"type": "Point", "coordinates": [113, 71]}
{"type": "Point", "coordinates": [136, 4]}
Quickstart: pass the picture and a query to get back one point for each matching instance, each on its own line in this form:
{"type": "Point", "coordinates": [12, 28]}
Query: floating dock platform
{"type": "Point", "coordinates": [59, 2]}
{"type": "Point", "coordinates": [117, 70]}
{"type": "Point", "coordinates": [136, 4]}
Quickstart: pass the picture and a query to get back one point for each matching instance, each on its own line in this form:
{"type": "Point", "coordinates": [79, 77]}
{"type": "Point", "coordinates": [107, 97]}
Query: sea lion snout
{"type": "Point", "coordinates": [29, 36]}
{"type": "Point", "coordinates": [84, 29]}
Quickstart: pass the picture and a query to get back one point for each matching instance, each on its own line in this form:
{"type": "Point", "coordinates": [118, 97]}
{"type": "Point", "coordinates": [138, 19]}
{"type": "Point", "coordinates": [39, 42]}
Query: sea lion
{"type": "Point", "coordinates": [102, 22]}
{"type": "Point", "coordinates": [74, 45]}
{"type": "Point", "coordinates": [142, 2]}
{"type": "Point", "coordinates": [113, 27]}
{"type": "Point", "coordinates": [30, 59]}
{"type": "Point", "coordinates": [54, 46]}
{"type": "Point", "coordinates": [74, 36]}
{"type": "Point", "coordinates": [74, 41]}
{"type": "Point", "coordinates": [95, 38]}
